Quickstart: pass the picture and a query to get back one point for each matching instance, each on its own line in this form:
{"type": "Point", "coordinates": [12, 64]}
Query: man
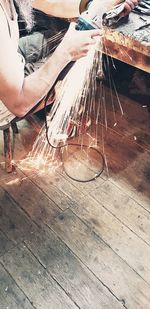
{"type": "Point", "coordinates": [19, 91]}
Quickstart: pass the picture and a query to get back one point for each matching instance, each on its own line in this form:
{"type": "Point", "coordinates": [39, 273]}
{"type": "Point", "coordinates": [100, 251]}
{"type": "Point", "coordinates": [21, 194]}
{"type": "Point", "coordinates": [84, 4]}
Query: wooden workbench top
{"type": "Point", "coordinates": [130, 41]}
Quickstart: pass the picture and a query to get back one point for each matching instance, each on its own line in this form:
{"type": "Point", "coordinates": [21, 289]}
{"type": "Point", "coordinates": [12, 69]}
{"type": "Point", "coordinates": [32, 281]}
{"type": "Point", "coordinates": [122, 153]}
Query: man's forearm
{"type": "Point", "coordinates": [36, 85]}
{"type": "Point", "coordinates": [68, 8]}
{"type": "Point", "coordinates": [59, 8]}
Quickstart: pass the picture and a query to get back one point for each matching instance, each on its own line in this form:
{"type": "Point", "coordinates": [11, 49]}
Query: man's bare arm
{"type": "Point", "coordinates": [21, 94]}
{"type": "Point", "coordinates": [72, 8]}
{"type": "Point", "coordinates": [67, 8]}
{"type": "Point", "coordinates": [59, 8]}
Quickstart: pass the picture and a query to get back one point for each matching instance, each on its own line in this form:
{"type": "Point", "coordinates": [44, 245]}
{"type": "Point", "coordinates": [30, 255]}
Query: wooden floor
{"type": "Point", "coordinates": [65, 244]}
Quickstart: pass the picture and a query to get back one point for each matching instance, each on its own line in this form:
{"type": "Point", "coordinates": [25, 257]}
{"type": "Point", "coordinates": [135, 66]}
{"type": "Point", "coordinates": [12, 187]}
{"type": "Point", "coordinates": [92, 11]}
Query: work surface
{"type": "Point", "coordinates": [64, 244]}
{"type": "Point", "coordinates": [130, 41]}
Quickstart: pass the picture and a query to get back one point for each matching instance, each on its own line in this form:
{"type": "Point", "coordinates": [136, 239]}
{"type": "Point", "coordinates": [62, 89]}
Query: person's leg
{"type": "Point", "coordinates": [36, 47]}
{"type": "Point", "coordinates": [44, 22]}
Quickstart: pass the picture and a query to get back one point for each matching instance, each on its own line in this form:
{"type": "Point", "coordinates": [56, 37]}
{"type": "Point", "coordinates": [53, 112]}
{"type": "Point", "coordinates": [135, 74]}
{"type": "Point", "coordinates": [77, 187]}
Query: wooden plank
{"type": "Point", "coordinates": [62, 187]}
{"type": "Point", "coordinates": [59, 189]}
{"type": "Point", "coordinates": [122, 240]}
{"type": "Point", "coordinates": [98, 294]}
{"type": "Point", "coordinates": [122, 281]}
{"type": "Point", "coordinates": [124, 142]}
{"type": "Point", "coordinates": [33, 200]}
{"type": "Point", "coordinates": [64, 193]}
{"type": "Point", "coordinates": [13, 221]}
{"type": "Point", "coordinates": [10, 294]}
{"type": "Point", "coordinates": [51, 188]}
{"type": "Point", "coordinates": [128, 211]}
{"type": "Point", "coordinates": [85, 187]}
{"type": "Point", "coordinates": [34, 281]}
{"type": "Point", "coordinates": [133, 123]}
{"type": "Point", "coordinates": [135, 180]}
{"type": "Point", "coordinates": [121, 152]}
{"type": "Point", "coordinates": [78, 282]}
{"type": "Point", "coordinates": [5, 243]}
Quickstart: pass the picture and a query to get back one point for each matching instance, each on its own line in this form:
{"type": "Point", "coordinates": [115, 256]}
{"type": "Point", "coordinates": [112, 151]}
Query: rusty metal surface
{"type": "Point", "coordinates": [136, 27]}
{"type": "Point", "coordinates": [129, 41]}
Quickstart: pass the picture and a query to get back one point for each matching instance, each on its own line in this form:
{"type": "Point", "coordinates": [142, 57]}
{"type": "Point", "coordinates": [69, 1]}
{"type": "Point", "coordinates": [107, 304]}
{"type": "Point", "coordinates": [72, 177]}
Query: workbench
{"type": "Point", "coordinates": [129, 41]}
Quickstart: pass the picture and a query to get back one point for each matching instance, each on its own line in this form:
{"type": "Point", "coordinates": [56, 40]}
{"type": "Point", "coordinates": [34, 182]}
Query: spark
{"type": "Point", "coordinates": [13, 182]}
{"type": "Point", "coordinates": [80, 104]}
{"type": "Point", "coordinates": [68, 106]}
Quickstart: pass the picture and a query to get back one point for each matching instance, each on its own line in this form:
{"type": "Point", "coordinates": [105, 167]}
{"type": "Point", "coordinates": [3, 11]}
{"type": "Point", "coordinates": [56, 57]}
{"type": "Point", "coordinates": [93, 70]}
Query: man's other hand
{"type": "Point", "coordinates": [129, 6]}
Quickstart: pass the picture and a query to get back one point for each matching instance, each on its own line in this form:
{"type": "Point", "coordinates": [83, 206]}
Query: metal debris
{"type": "Point", "coordinates": [143, 7]}
{"type": "Point", "coordinates": [113, 16]}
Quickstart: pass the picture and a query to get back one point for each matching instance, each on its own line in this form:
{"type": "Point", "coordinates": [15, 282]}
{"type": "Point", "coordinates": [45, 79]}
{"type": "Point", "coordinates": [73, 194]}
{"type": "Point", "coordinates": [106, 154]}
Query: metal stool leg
{"type": "Point", "coordinates": [15, 128]}
{"type": "Point", "coordinates": [8, 150]}
{"type": "Point", "coordinates": [14, 132]}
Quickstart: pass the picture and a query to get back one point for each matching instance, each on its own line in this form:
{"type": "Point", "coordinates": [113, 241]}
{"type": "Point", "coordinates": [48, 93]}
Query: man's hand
{"type": "Point", "coordinates": [129, 6]}
{"type": "Point", "coordinates": [76, 44]}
